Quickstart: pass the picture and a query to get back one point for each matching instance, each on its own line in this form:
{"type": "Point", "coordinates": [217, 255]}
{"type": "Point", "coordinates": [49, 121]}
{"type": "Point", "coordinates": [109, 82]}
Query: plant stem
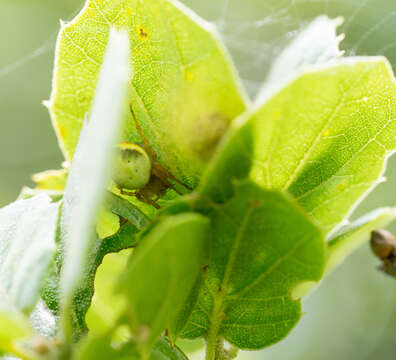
{"type": "Point", "coordinates": [213, 341]}
{"type": "Point", "coordinates": [215, 350]}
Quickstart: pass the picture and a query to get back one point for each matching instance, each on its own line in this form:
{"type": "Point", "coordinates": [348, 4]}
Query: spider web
{"type": "Point", "coordinates": [46, 47]}
{"type": "Point", "coordinates": [255, 32]}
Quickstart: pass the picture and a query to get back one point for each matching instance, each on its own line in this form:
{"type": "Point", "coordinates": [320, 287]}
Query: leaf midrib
{"type": "Point", "coordinates": [319, 135]}
{"type": "Point", "coordinates": [216, 318]}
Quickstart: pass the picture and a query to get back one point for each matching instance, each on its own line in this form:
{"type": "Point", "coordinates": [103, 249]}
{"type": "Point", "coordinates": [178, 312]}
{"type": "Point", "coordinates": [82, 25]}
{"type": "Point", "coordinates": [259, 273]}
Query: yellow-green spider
{"type": "Point", "coordinates": [138, 173]}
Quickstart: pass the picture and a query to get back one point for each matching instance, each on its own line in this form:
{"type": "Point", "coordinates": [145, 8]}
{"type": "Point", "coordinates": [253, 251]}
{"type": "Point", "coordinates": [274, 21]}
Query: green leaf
{"type": "Point", "coordinates": [14, 328]}
{"type": "Point", "coordinates": [27, 245]}
{"type": "Point", "coordinates": [181, 319]}
{"type": "Point", "coordinates": [164, 351]}
{"type": "Point", "coordinates": [189, 346]}
{"type": "Point", "coordinates": [51, 180]}
{"type": "Point", "coordinates": [99, 348]}
{"type": "Point", "coordinates": [355, 235]}
{"type": "Point", "coordinates": [107, 224]}
{"type": "Point", "coordinates": [88, 177]}
{"type": "Point", "coordinates": [183, 81]}
{"type": "Point", "coordinates": [103, 314]}
{"type": "Point", "coordinates": [325, 137]}
{"type": "Point", "coordinates": [161, 274]}
{"type": "Point", "coordinates": [107, 304]}
{"type": "Point", "coordinates": [262, 245]}
{"type": "Point", "coordinates": [348, 240]}
{"type": "Point", "coordinates": [125, 238]}
{"type": "Point", "coordinates": [126, 210]}
{"type": "Point", "coordinates": [232, 160]}
{"type": "Point", "coordinates": [82, 298]}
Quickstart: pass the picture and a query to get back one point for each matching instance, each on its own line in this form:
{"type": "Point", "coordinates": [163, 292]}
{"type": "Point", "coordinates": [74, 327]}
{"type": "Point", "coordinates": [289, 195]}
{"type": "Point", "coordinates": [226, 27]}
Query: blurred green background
{"type": "Point", "coordinates": [353, 313]}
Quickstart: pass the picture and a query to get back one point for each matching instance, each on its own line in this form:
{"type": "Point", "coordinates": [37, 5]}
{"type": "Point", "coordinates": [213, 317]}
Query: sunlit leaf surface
{"type": "Point", "coordinates": [325, 137]}
{"type": "Point", "coordinates": [183, 83]}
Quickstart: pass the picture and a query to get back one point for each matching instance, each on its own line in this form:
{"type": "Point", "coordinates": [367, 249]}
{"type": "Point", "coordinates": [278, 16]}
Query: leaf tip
{"type": "Point", "coordinates": [46, 103]}
{"type": "Point", "coordinates": [299, 290]}
{"type": "Point", "coordinates": [206, 25]}
{"type": "Point", "coordinates": [340, 38]}
{"type": "Point", "coordinates": [338, 21]}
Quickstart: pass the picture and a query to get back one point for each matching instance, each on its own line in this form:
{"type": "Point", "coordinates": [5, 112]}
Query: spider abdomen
{"type": "Point", "coordinates": [132, 166]}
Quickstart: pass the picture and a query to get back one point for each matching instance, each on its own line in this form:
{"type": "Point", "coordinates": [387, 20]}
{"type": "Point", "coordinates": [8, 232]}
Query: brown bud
{"type": "Point", "coordinates": [41, 346]}
{"type": "Point", "coordinates": [382, 243]}
{"type": "Point", "coordinates": [389, 267]}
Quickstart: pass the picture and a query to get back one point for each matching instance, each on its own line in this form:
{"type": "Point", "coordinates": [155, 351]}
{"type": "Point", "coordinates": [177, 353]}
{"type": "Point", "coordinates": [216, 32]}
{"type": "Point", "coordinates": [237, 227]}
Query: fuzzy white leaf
{"type": "Point", "coordinates": [27, 245]}
{"type": "Point", "coordinates": [91, 166]}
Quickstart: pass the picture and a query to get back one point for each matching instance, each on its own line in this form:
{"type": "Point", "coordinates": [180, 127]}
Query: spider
{"type": "Point", "coordinates": [138, 173]}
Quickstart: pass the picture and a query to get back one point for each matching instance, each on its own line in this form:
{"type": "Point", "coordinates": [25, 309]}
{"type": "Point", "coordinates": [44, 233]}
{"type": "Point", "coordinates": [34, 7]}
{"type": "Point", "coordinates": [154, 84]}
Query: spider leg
{"type": "Point", "coordinates": [160, 171]}
{"type": "Point", "coordinates": [147, 200]}
{"type": "Point", "coordinates": [174, 189]}
{"type": "Point", "coordinates": [171, 186]}
{"type": "Point", "coordinates": [125, 192]}
{"type": "Point", "coordinates": [147, 147]}
{"type": "Point", "coordinates": [163, 176]}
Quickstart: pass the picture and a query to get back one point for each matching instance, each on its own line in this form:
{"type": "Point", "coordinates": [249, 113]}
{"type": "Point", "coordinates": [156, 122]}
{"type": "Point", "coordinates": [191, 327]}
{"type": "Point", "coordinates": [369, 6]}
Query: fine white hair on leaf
{"type": "Point", "coordinates": [91, 166]}
{"type": "Point", "coordinates": [27, 245]}
{"type": "Point", "coordinates": [42, 320]}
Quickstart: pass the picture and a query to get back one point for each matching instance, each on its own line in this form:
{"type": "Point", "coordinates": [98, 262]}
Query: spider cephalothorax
{"type": "Point", "coordinates": [137, 171]}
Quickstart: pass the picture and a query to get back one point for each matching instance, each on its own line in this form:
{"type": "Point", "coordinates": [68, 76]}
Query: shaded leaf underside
{"type": "Point", "coordinates": [169, 258]}
{"type": "Point", "coordinates": [253, 268]}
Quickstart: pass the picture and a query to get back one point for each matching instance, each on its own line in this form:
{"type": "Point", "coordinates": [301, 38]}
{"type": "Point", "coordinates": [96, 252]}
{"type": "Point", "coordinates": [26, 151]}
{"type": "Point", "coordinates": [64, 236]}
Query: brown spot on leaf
{"type": "Point", "coordinates": [255, 204]}
{"type": "Point", "coordinates": [143, 33]}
